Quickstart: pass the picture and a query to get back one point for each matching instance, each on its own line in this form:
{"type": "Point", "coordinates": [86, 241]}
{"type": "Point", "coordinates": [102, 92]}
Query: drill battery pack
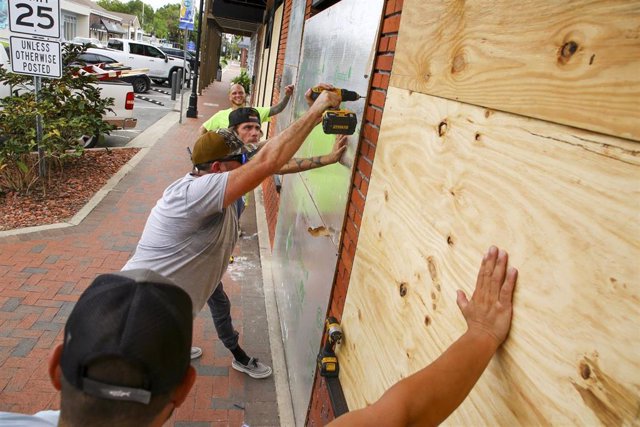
{"type": "Point", "coordinates": [339, 122]}
{"type": "Point", "coordinates": [328, 364]}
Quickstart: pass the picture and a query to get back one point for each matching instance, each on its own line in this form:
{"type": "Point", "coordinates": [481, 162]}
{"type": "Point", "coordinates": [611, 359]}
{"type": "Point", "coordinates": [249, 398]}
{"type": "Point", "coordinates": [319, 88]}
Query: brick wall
{"type": "Point", "coordinates": [271, 196]}
{"type": "Point", "coordinates": [320, 411]}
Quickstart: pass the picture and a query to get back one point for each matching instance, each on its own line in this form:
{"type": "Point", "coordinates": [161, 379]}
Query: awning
{"type": "Point", "coordinates": [112, 27]}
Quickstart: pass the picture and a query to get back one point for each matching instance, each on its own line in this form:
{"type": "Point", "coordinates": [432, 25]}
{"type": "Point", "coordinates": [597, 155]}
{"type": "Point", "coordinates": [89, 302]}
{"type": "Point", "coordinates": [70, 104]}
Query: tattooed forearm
{"type": "Point", "coordinates": [299, 165]}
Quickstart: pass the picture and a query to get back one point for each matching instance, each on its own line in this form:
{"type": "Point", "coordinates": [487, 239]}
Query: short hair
{"type": "Point", "coordinates": [236, 84]}
{"type": "Point", "coordinates": [81, 409]}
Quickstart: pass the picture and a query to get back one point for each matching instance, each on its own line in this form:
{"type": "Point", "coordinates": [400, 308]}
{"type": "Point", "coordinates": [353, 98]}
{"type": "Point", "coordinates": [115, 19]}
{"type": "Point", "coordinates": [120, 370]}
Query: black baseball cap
{"type": "Point", "coordinates": [137, 316]}
{"type": "Point", "coordinates": [244, 115]}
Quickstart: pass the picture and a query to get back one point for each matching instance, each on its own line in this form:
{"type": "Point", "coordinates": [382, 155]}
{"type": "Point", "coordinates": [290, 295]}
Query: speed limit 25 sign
{"type": "Point", "coordinates": [35, 17]}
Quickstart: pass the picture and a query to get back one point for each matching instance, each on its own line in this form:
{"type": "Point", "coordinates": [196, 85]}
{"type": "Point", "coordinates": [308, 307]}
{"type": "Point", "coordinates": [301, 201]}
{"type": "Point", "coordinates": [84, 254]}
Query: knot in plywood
{"type": "Point", "coordinates": [566, 51]}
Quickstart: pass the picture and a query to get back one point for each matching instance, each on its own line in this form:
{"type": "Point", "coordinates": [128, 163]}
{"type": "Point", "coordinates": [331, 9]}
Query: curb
{"type": "Point", "coordinates": [145, 141]}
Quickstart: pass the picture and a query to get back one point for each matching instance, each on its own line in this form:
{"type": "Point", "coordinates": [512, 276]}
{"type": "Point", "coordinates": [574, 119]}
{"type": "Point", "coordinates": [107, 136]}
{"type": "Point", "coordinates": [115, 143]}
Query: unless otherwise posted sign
{"type": "Point", "coordinates": [35, 57]}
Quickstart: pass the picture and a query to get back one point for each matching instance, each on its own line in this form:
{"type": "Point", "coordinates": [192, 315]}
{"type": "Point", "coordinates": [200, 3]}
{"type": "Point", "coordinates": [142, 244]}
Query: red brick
{"type": "Point", "coordinates": [358, 220]}
{"type": "Point", "coordinates": [392, 43]}
{"type": "Point", "coordinates": [391, 24]}
{"type": "Point", "coordinates": [370, 114]}
{"type": "Point", "coordinates": [364, 187]}
{"type": "Point", "coordinates": [384, 62]}
{"type": "Point", "coordinates": [357, 199]}
{"type": "Point", "coordinates": [370, 132]}
{"type": "Point", "coordinates": [399, 4]}
{"type": "Point", "coordinates": [391, 7]}
{"type": "Point", "coordinates": [364, 166]}
{"type": "Point", "coordinates": [384, 44]}
{"type": "Point", "coordinates": [378, 119]}
{"type": "Point", "coordinates": [357, 179]}
{"type": "Point", "coordinates": [378, 98]}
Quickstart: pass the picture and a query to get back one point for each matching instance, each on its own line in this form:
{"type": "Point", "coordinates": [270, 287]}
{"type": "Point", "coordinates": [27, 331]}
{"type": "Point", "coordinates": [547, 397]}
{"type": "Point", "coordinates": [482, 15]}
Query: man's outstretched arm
{"type": "Point", "coordinates": [429, 396]}
{"type": "Point", "coordinates": [278, 151]}
{"type": "Point", "coordinates": [277, 109]}
{"type": "Point", "coordinates": [304, 164]}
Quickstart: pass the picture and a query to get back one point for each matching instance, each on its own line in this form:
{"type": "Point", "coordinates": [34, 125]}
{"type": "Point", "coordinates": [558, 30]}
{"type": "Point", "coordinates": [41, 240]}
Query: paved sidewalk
{"type": "Point", "coordinates": [42, 273]}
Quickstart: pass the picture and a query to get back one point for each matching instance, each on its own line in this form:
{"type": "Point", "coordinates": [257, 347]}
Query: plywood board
{"type": "Point", "coordinates": [449, 180]}
{"type": "Point", "coordinates": [572, 62]}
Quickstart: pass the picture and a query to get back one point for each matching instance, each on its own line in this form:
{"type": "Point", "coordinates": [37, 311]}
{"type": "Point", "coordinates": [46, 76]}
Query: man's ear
{"type": "Point", "coordinates": [181, 392]}
{"type": "Point", "coordinates": [55, 372]}
{"type": "Point", "coordinates": [216, 167]}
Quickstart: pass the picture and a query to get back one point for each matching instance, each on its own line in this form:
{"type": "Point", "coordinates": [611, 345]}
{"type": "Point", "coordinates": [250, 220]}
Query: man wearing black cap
{"type": "Point", "coordinates": [245, 124]}
{"type": "Point", "coordinates": [192, 230]}
{"type": "Point", "coordinates": [125, 358]}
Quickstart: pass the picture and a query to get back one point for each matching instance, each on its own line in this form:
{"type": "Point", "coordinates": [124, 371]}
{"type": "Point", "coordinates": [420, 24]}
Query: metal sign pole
{"type": "Point", "coordinates": [42, 170]}
{"type": "Point", "coordinates": [185, 69]}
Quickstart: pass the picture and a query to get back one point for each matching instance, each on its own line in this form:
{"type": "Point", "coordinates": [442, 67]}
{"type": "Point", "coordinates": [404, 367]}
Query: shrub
{"type": "Point", "coordinates": [70, 107]}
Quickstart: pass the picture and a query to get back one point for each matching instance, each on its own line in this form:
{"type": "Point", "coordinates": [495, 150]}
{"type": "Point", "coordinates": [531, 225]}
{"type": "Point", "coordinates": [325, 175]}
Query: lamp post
{"type": "Point", "coordinates": [192, 111]}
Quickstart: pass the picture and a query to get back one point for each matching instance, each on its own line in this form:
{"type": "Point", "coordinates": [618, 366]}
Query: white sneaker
{"type": "Point", "coordinates": [195, 352]}
{"type": "Point", "coordinates": [254, 368]}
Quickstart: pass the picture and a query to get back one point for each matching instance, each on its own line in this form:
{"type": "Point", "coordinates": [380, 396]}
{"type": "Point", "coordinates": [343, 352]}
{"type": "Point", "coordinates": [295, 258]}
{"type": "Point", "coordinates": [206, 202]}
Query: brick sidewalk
{"type": "Point", "coordinates": [42, 274]}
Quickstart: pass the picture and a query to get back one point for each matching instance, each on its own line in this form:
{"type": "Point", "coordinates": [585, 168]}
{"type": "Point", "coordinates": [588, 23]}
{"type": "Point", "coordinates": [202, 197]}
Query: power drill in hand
{"type": "Point", "coordinates": [338, 121]}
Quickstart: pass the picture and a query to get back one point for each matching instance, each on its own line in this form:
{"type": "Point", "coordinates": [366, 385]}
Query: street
{"type": "Point", "coordinates": [148, 108]}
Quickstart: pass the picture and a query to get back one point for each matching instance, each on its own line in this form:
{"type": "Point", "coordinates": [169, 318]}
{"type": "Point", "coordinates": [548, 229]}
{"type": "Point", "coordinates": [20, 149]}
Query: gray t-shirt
{"type": "Point", "coordinates": [189, 236]}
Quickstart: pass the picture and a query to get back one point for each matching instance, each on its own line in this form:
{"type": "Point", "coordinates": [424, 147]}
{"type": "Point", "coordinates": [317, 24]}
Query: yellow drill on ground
{"type": "Point", "coordinates": [338, 121]}
{"type": "Point", "coordinates": [327, 360]}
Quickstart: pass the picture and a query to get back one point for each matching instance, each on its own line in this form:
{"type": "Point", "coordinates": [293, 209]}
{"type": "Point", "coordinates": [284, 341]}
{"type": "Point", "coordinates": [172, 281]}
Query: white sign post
{"type": "Point", "coordinates": [35, 17]}
{"type": "Point", "coordinates": [35, 55]}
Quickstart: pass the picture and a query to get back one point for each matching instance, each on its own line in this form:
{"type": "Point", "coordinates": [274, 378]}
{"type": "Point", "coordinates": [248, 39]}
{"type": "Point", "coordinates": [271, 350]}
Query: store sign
{"type": "Point", "coordinates": [35, 57]}
{"type": "Point", "coordinates": [35, 17]}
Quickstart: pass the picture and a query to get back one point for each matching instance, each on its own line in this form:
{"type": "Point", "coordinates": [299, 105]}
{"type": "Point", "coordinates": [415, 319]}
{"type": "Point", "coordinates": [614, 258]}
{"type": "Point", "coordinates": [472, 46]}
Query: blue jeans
{"type": "Point", "coordinates": [220, 308]}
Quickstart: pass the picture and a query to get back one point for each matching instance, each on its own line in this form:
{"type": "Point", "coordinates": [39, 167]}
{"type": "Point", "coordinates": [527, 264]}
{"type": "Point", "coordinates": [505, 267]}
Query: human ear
{"type": "Point", "coordinates": [54, 367]}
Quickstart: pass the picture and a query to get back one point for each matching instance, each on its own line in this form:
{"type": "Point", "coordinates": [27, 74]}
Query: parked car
{"type": "Point", "coordinates": [120, 115]}
{"type": "Point", "coordinates": [96, 58]}
{"type": "Point", "coordinates": [136, 54]}
{"type": "Point", "coordinates": [179, 53]}
{"type": "Point", "coordinates": [92, 42]}
{"type": "Point", "coordinates": [140, 82]}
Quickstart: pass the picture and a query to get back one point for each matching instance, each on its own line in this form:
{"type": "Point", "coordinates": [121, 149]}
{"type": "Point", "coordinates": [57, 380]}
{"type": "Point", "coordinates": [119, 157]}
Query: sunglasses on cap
{"type": "Point", "coordinates": [240, 158]}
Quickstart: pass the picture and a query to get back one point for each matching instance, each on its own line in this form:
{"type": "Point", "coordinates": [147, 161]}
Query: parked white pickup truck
{"type": "Point", "coordinates": [137, 54]}
{"type": "Point", "coordinates": [121, 116]}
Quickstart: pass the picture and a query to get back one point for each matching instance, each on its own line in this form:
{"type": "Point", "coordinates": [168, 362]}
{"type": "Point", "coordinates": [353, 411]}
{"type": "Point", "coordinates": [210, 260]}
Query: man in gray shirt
{"type": "Point", "coordinates": [191, 232]}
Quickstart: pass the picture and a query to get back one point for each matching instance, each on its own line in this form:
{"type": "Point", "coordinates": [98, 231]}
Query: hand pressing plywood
{"type": "Point", "coordinates": [571, 62]}
{"type": "Point", "coordinates": [451, 179]}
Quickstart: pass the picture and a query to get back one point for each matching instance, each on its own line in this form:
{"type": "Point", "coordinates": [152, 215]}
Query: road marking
{"type": "Point", "coordinates": [153, 101]}
{"type": "Point", "coordinates": [161, 91]}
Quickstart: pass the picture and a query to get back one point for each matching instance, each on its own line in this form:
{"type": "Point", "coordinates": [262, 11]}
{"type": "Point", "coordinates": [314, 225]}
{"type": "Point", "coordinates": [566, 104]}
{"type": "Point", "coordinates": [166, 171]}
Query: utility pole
{"type": "Point", "coordinates": [192, 111]}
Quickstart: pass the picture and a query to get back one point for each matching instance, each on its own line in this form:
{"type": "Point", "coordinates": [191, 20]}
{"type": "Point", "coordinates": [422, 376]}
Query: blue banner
{"type": "Point", "coordinates": [187, 14]}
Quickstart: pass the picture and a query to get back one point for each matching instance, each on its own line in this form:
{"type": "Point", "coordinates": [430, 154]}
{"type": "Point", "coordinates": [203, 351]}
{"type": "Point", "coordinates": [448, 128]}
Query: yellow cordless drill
{"type": "Point", "coordinates": [338, 121]}
{"type": "Point", "coordinates": [327, 359]}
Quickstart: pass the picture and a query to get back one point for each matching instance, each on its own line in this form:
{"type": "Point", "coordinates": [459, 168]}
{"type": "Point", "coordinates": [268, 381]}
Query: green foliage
{"type": "Point", "coordinates": [144, 13]}
{"type": "Point", "coordinates": [165, 22]}
{"type": "Point", "coordinates": [243, 79]}
{"type": "Point", "coordinates": [223, 62]}
{"type": "Point", "coordinates": [70, 107]}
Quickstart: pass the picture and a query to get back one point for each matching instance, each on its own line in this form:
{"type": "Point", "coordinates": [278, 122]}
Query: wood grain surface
{"type": "Point", "coordinates": [573, 62]}
{"type": "Point", "coordinates": [449, 180]}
